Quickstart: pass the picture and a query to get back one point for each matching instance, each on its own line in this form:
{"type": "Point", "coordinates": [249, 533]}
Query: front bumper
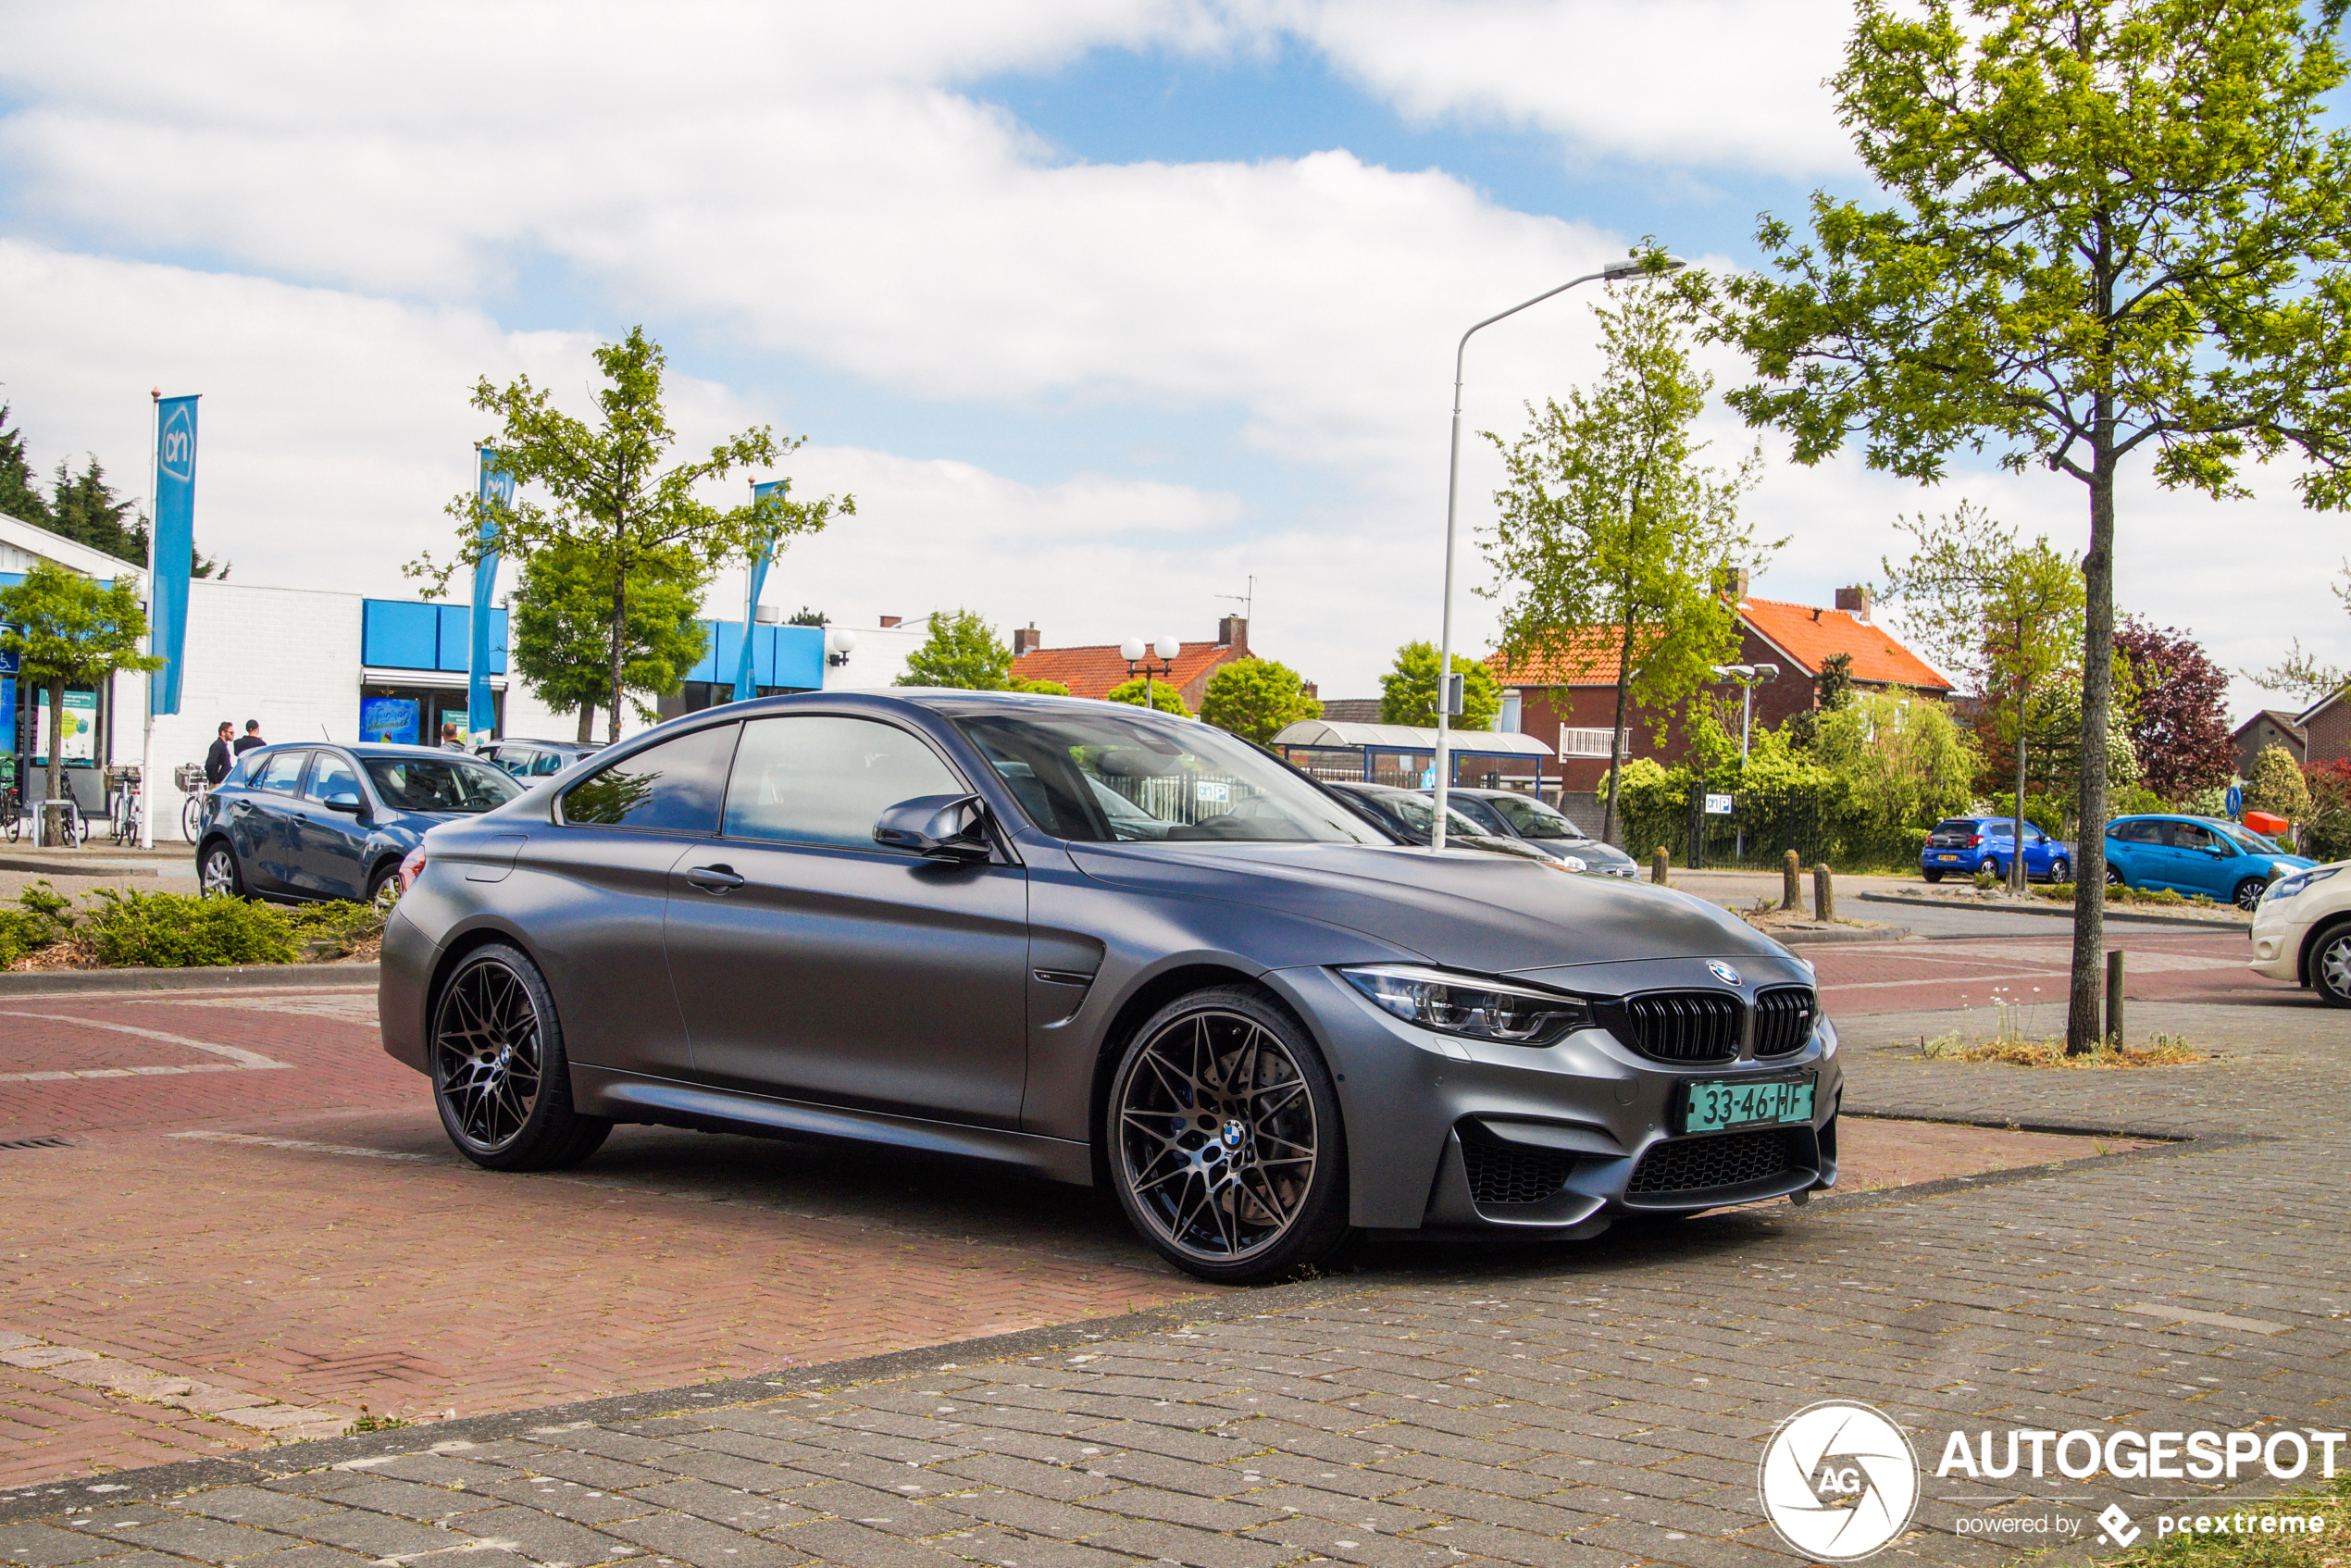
{"type": "Point", "coordinates": [1446, 1133]}
{"type": "Point", "coordinates": [2278, 929]}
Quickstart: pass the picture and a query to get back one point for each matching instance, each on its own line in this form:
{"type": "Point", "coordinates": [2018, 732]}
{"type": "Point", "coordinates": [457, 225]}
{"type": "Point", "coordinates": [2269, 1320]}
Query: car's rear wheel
{"type": "Point", "coordinates": [218, 876]}
{"type": "Point", "coordinates": [2060, 870]}
{"type": "Point", "coordinates": [499, 1075]}
{"type": "Point", "coordinates": [1932, 876]}
{"type": "Point", "coordinates": [2331, 966]}
{"type": "Point", "coordinates": [2248, 892]}
{"type": "Point", "coordinates": [1989, 863]}
{"type": "Point", "coordinates": [1226, 1147]}
{"type": "Point", "coordinates": [2113, 877]}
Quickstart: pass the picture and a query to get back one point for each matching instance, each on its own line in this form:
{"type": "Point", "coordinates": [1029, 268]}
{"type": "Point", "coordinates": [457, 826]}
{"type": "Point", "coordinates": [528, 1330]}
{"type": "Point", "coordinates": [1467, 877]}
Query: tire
{"type": "Point", "coordinates": [2114, 879]}
{"type": "Point", "coordinates": [191, 817]}
{"type": "Point", "coordinates": [2248, 892]}
{"type": "Point", "coordinates": [385, 877]}
{"type": "Point", "coordinates": [2060, 870]}
{"type": "Point", "coordinates": [1206, 1166]}
{"type": "Point", "coordinates": [499, 1078]}
{"type": "Point", "coordinates": [1989, 863]}
{"type": "Point", "coordinates": [1932, 876]}
{"type": "Point", "coordinates": [2331, 966]}
{"type": "Point", "coordinates": [217, 873]}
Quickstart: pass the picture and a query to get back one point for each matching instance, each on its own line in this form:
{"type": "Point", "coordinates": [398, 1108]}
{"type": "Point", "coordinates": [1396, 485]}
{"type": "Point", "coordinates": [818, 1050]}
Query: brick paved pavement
{"type": "Point", "coordinates": [1600, 1404]}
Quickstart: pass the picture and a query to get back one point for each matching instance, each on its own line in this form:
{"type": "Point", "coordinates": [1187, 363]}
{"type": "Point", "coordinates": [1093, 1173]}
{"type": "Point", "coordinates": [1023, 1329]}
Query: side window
{"type": "Point", "coordinates": [544, 765]}
{"type": "Point", "coordinates": [823, 781]}
{"type": "Point", "coordinates": [2188, 836]}
{"type": "Point", "coordinates": [2140, 830]}
{"type": "Point", "coordinates": [281, 772]}
{"type": "Point", "coordinates": [671, 787]}
{"type": "Point", "coordinates": [331, 777]}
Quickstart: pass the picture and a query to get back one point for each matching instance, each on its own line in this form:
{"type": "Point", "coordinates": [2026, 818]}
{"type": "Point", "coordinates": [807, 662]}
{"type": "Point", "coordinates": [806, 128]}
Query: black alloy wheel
{"type": "Point", "coordinates": [2331, 966]}
{"type": "Point", "coordinates": [2248, 892]}
{"type": "Point", "coordinates": [1227, 1147]}
{"type": "Point", "coordinates": [219, 878]}
{"type": "Point", "coordinates": [499, 1075]}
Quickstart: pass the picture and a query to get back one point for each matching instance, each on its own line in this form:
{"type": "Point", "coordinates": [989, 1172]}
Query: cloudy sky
{"type": "Point", "coordinates": [1100, 309]}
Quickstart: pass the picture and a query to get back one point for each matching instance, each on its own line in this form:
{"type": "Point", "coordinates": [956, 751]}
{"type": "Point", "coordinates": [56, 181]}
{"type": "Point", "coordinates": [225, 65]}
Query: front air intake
{"type": "Point", "coordinates": [1690, 1166]}
{"type": "Point", "coordinates": [1502, 1174]}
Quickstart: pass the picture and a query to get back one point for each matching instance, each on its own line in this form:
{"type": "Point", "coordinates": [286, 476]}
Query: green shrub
{"type": "Point", "coordinates": [182, 930]}
{"type": "Point", "coordinates": [2043, 811]}
{"type": "Point", "coordinates": [331, 930]}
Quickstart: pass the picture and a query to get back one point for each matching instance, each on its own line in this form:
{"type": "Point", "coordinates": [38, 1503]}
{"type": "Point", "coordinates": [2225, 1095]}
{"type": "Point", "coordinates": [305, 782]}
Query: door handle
{"type": "Point", "coordinates": [717, 879]}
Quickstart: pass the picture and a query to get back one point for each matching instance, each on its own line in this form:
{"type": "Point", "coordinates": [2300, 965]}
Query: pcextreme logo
{"type": "Point", "coordinates": [1838, 1481]}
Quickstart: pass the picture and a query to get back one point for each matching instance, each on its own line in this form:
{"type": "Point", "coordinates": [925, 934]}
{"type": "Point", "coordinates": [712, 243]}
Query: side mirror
{"type": "Point", "coordinates": [346, 800]}
{"type": "Point", "coordinates": [940, 827]}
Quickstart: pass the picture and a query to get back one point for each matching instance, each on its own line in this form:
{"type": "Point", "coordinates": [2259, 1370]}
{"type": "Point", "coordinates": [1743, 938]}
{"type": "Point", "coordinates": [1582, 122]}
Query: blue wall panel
{"type": "Point", "coordinates": [780, 655]}
{"type": "Point", "coordinates": [800, 656]}
{"type": "Point", "coordinates": [399, 634]}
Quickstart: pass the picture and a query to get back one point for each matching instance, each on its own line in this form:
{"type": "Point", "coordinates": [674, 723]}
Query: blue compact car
{"type": "Point", "coordinates": [1961, 846]}
{"type": "Point", "coordinates": [2195, 854]}
{"type": "Point", "coordinates": [306, 822]}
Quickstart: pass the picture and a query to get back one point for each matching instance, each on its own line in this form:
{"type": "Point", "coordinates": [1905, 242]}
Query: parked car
{"type": "Point", "coordinates": [1507, 814]}
{"type": "Point", "coordinates": [535, 759]}
{"type": "Point", "coordinates": [297, 822]}
{"type": "Point", "coordinates": [2195, 854]}
{"type": "Point", "coordinates": [2302, 931]}
{"type": "Point", "coordinates": [1965, 845]}
{"type": "Point", "coordinates": [908, 919]}
{"type": "Point", "coordinates": [1410, 816]}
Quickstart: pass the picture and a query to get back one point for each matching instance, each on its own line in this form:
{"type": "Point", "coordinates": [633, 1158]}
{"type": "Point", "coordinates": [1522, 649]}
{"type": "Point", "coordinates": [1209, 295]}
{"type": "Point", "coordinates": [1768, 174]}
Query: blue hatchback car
{"type": "Point", "coordinates": [1961, 846]}
{"type": "Point", "coordinates": [305, 822]}
{"type": "Point", "coordinates": [2195, 854]}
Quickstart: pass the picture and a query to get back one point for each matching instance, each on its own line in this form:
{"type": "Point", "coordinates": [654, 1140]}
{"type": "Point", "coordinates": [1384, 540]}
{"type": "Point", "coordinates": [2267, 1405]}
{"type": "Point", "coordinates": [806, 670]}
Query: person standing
{"type": "Point", "coordinates": [449, 742]}
{"type": "Point", "coordinates": [221, 759]}
{"type": "Point", "coordinates": [250, 737]}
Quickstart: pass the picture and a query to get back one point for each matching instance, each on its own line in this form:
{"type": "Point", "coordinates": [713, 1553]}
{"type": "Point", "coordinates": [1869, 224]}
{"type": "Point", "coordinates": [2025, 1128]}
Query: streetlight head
{"type": "Point", "coordinates": [1767, 673]}
{"type": "Point", "coordinates": [1635, 266]}
{"type": "Point", "coordinates": [1168, 647]}
{"type": "Point", "coordinates": [1131, 649]}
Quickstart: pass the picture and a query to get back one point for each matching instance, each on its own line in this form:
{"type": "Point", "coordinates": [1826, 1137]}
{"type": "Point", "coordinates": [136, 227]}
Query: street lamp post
{"type": "Point", "coordinates": [1447, 701]}
{"type": "Point", "coordinates": [1135, 651]}
{"type": "Point", "coordinates": [1748, 676]}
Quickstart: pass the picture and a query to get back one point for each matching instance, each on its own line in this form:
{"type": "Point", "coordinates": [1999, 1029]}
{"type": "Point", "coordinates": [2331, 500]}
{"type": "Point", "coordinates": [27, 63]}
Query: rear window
{"type": "Point", "coordinates": [452, 784]}
{"type": "Point", "coordinates": [1956, 825]}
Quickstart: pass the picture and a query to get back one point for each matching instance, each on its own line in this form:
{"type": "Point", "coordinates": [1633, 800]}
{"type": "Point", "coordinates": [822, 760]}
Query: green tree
{"type": "Point", "coordinates": [1901, 762]}
{"type": "Point", "coordinates": [2006, 616]}
{"type": "Point", "coordinates": [1163, 697]}
{"type": "Point", "coordinates": [67, 629]}
{"type": "Point", "coordinates": [1408, 691]}
{"type": "Point", "coordinates": [563, 627]}
{"type": "Point", "coordinates": [806, 616]}
{"type": "Point", "coordinates": [963, 652]}
{"type": "Point", "coordinates": [20, 492]}
{"type": "Point", "coordinates": [1040, 687]}
{"type": "Point", "coordinates": [2107, 230]}
{"type": "Point", "coordinates": [1256, 699]}
{"type": "Point", "coordinates": [1611, 533]}
{"type": "Point", "coordinates": [2304, 674]}
{"type": "Point", "coordinates": [2277, 785]}
{"type": "Point", "coordinates": [609, 497]}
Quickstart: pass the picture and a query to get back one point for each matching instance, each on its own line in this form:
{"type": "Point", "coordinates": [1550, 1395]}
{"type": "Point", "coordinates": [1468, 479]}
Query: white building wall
{"type": "Point", "coordinates": [879, 657]}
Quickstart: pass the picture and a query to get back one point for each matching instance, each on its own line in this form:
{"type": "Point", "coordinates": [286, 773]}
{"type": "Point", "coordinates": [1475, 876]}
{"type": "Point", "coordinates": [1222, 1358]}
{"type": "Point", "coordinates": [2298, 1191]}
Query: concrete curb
{"type": "Point", "coordinates": [92, 869]}
{"type": "Point", "coordinates": [237, 976]}
{"type": "Point", "coordinates": [1830, 939]}
{"type": "Point", "coordinates": [2053, 913]}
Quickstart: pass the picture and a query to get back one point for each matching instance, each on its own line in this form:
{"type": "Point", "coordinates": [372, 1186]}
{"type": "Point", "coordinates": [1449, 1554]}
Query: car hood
{"type": "Point", "coordinates": [1489, 913]}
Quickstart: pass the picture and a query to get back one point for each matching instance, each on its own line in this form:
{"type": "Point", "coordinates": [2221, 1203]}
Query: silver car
{"type": "Point", "coordinates": [917, 919]}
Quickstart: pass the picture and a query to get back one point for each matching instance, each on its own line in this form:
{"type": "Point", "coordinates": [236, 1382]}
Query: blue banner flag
{"type": "Point", "coordinates": [746, 676]}
{"type": "Point", "coordinates": [495, 487]}
{"type": "Point", "coordinates": [175, 547]}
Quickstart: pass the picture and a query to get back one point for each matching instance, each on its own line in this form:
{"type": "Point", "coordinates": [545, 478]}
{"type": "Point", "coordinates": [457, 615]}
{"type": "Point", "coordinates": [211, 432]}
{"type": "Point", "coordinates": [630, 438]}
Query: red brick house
{"type": "Point", "coordinates": [2326, 729]}
{"type": "Point", "coordinates": [1569, 700]}
{"type": "Point", "coordinates": [1093, 671]}
{"type": "Point", "coordinates": [2270, 726]}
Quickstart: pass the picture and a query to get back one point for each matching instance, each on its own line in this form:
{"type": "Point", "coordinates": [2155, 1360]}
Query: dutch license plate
{"type": "Point", "coordinates": [1947, 857]}
{"type": "Point", "coordinates": [1719, 1107]}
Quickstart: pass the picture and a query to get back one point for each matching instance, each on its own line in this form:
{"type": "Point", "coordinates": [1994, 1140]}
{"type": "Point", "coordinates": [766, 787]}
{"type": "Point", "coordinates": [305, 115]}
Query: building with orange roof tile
{"type": "Point", "coordinates": [1568, 700]}
{"type": "Point", "coordinates": [1093, 671]}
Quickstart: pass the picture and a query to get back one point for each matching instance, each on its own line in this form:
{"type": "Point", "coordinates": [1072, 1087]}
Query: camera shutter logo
{"type": "Point", "coordinates": [1838, 1481]}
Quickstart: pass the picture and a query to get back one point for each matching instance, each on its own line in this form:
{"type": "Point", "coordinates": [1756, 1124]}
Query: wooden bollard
{"type": "Point", "coordinates": [1658, 864]}
{"type": "Point", "coordinates": [1791, 882]}
{"type": "Point", "coordinates": [2114, 997]}
{"type": "Point", "coordinates": [1824, 893]}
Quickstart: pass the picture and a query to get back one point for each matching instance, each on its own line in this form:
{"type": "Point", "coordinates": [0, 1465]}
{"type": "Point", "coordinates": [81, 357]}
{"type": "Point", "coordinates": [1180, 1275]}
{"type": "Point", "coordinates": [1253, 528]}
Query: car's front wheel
{"type": "Point", "coordinates": [2060, 870]}
{"type": "Point", "coordinates": [2248, 892]}
{"type": "Point", "coordinates": [1225, 1144]}
{"type": "Point", "coordinates": [2114, 879]}
{"type": "Point", "coordinates": [2331, 966]}
{"type": "Point", "coordinates": [499, 1075]}
{"type": "Point", "coordinates": [217, 874]}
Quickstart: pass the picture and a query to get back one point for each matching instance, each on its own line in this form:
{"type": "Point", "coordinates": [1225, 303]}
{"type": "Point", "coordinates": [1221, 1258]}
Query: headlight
{"type": "Point", "coordinates": [1465, 1004]}
{"type": "Point", "coordinates": [1569, 863]}
{"type": "Point", "coordinates": [2286, 887]}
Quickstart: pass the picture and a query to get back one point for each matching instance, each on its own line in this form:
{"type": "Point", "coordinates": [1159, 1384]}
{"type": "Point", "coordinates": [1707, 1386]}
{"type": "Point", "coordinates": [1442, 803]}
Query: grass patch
{"type": "Point", "coordinates": [2164, 1050]}
{"type": "Point", "coordinates": [115, 927]}
{"type": "Point", "coordinates": [367, 1423]}
{"type": "Point", "coordinates": [2327, 1548]}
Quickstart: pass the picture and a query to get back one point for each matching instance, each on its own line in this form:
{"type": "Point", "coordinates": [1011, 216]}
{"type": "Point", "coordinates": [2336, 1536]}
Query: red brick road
{"type": "Point", "coordinates": [2158, 965]}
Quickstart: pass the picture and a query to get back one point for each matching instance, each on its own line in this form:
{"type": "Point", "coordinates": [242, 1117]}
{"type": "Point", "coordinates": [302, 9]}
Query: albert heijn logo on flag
{"type": "Point", "coordinates": [175, 542]}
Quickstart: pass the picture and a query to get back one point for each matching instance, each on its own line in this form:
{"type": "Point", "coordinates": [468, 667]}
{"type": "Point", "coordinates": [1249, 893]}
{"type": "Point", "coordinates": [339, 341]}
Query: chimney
{"type": "Point", "coordinates": [1854, 602]}
{"type": "Point", "coordinates": [1026, 640]}
{"type": "Point", "coordinates": [889, 621]}
{"type": "Point", "coordinates": [1730, 583]}
{"type": "Point", "coordinates": [1232, 631]}
{"type": "Point", "coordinates": [1310, 688]}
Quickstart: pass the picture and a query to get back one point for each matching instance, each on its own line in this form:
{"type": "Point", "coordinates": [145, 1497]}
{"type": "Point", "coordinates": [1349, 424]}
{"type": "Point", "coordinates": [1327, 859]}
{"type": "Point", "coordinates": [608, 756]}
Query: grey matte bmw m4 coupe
{"type": "Point", "coordinates": [1108, 946]}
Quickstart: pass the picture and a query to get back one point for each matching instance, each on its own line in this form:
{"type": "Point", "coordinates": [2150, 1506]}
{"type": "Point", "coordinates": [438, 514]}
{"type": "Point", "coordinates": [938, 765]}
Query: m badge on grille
{"type": "Point", "coordinates": [1722, 972]}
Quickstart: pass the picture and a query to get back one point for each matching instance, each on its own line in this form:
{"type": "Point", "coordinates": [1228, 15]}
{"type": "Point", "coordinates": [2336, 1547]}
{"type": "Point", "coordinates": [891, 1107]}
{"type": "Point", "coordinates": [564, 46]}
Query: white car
{"type": "Point", "coordinates": [2302, 931]}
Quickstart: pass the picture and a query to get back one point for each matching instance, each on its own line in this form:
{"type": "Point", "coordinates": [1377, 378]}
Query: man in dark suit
{"type": "Point", "coordinates": [221, 759]}
{"type": "Point", "coordinates": [250, 737]}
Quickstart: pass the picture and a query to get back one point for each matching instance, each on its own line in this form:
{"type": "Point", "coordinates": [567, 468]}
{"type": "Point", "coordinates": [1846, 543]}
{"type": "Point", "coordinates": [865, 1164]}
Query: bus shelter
{"type": "Point", "coordinates": [1322, 740]}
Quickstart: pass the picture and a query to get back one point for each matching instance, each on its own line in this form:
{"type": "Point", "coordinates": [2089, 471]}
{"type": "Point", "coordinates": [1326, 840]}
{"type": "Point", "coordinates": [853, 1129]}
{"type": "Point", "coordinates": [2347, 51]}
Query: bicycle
{"type": "Point", "coordinates": [190, 777]}
{"type": "Point", "coordinates": [11, 813]}
{"type": "Point", "coordinates": [125, 808]}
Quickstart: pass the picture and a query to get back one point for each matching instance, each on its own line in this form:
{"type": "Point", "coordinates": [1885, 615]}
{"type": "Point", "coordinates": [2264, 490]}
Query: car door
{"type": "Point", "coordinates": [814, 965]}
{"type": "Point", "coordinates": [330, 846]}
{"type": "Point", "coordinates": [2134, 845]}
{"type": "Point", "coordinates": [591, 892]}
{"type": "Point", "coordinates": [2200, 861]}
{"type": "Point", "coordinates": [262, 823]}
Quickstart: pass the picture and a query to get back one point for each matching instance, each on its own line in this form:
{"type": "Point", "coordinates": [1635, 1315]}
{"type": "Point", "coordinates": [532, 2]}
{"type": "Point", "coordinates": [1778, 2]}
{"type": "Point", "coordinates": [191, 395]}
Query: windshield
{"type": "Point", "coordinates": [1418, 813]}
{"type": "Point", "coordinates": [439, 784]}
{"type": "Point", "coordinates": [2245, 839]}
{"type": "Point", "coordinates": [1534, 818]}
{"type": "Point", "coordinates": [1194, 785]}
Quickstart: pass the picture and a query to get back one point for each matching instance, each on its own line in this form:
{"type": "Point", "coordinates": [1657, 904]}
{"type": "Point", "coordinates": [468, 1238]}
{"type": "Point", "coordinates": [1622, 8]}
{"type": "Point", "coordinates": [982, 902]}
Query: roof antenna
{"type": "Point", "coordinates": [1247, 601]}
